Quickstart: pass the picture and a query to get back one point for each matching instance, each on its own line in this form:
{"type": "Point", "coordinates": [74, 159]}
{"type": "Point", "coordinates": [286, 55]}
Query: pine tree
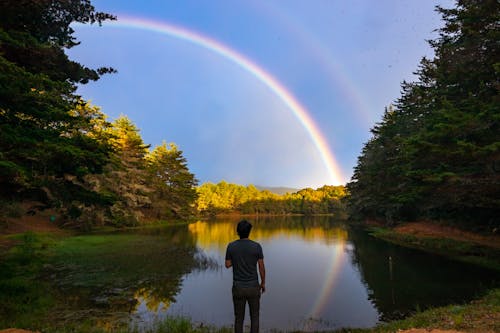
{"type": "Point", "coordinates": [174, 186]}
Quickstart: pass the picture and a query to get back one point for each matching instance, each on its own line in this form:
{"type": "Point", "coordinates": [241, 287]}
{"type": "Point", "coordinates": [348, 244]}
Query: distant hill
{"type": "Point", "coordinates": [278, 190]}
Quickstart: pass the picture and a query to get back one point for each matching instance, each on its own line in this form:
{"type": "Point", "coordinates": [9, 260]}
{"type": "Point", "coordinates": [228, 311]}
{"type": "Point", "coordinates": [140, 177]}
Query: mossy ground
{"type": "Point", "coordinates": [36, 272]}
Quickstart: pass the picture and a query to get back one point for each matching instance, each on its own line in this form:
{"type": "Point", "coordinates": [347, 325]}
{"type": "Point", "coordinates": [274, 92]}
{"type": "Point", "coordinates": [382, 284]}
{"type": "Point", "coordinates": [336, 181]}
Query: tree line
{"type": "Point", "coordinates": [223, 198]}
{"type": "Point", "coordinates": [57, 149]}
{"type": "Point", "coordinates": [436, 152]}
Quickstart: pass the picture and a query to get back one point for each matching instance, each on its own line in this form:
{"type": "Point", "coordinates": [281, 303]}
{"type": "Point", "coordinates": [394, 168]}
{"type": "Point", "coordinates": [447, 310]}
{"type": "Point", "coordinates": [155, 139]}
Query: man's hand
{"type": "Point", "coordinates": [228, 263]}
{"type": "Point", "coordinates": [262, 271]}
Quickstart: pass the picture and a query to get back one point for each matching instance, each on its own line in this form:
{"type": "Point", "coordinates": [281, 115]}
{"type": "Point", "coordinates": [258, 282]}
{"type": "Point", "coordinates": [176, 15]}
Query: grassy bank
{"type": "Point", "coordinates": [23, 297]}
{"type": "Point", "coordinates": [35, 272]}
{"type": "Point", "coordinates": [482, 315]}
{"type": "Point", "coordinates": [463, 250]}
{"type": "Point", "coordinates": [105, 274]}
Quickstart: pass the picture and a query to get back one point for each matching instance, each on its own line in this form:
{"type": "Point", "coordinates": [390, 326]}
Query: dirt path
{"type": "Point", "coordinates": [427, 229]}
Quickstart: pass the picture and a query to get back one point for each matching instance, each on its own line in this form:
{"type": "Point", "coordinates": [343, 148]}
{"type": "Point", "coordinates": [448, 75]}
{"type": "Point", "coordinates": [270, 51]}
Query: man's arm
{"type": "Point", "coordinates": [229, 257]}
{"type": "Point", "coordinates": [262, 272]}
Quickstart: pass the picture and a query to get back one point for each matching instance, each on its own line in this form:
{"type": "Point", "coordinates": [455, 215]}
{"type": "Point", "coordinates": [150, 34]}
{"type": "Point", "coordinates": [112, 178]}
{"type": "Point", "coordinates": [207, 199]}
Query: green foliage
{"type": "Point", "coordinates": [58, 149]}
{"type": "Point", "coordinates": [22, 295]}
{"type": "Point", "coordinates": [41, 139]}
{"type": "Point", "coordinates": [481, 315]}
{"type": "Point", "coordinates": [126, 176]}
{"type": "Point", "coordinates": [136, 185]}
{"type": "Point", "coordinates": [225, 198]}
{"type": "Point", "coordinates": [175, 192]}
{"type": "Point", "coordinates": [436, 155]}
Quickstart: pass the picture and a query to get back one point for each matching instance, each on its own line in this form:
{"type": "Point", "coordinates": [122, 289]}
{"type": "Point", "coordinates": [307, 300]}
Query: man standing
{"type": "Point", "coordinates": [244, 255]}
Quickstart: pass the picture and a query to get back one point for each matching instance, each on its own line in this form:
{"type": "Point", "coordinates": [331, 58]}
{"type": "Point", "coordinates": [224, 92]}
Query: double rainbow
{"type": "Point", "coordinates": [277, 88]}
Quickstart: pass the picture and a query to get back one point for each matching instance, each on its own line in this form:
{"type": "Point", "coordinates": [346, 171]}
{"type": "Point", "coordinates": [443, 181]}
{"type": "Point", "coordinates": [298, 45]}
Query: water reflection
{"type": "Point", "coordinates": [401, 281]}
{"type": "Point", "coordinates": [214, 237]}
{"type": "Point", "coordinates": [320, 275]}
{"type": "Point", "coordinates": [306, 263]}
{"type": "Point", "coordinates": [152, 302]}
{"type": "Point", "coordinates": [109, 276]}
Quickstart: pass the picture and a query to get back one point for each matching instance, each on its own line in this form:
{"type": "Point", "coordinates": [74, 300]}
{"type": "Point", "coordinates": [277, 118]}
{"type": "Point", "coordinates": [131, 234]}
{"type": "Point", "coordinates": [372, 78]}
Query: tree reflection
{"type": "Point", "coordinates": [115, 273]}
{"type": "Point", "coordinates": [216, 235]}
{"type": "Point", "coordinates": [401, 281]}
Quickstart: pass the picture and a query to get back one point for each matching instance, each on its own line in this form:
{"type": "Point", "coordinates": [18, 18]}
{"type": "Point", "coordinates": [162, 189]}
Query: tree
{"type": "Point", "coordinates": [126, 176]}
{"type": "Point", "coordinates": [174, 186]}
{"type": "Point", "coordinates": [42, 141]}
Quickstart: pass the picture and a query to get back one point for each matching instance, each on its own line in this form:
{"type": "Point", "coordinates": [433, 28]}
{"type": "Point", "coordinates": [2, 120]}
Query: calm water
{"type": "Point", "coordinates": [320, 275]}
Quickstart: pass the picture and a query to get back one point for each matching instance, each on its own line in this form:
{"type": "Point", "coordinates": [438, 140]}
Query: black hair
{"type": "Point", "coordinates": [243, 229]}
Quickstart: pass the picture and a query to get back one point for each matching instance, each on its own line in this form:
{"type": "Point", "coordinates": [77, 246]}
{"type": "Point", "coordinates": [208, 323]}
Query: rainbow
{"type": "Point", "coordinates": [326, 292]}
{"type": "Point", "coordinates": [299, 111]}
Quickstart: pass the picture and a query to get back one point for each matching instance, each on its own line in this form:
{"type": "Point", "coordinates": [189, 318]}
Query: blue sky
{"type": "Point", "coordinates": [343, 60]}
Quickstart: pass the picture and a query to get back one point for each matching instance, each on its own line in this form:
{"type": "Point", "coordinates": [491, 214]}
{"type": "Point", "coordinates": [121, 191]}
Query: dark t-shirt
{"type": "Point", "coordinates": [244, 254]}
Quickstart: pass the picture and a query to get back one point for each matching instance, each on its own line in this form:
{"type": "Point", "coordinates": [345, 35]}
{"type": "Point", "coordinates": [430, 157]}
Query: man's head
{"type": "Point", "coordinates": [243, 229]}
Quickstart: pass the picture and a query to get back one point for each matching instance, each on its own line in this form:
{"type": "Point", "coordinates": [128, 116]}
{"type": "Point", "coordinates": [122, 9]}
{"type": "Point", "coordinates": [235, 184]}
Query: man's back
{"type": "Point", "coordinates": [244, 254]}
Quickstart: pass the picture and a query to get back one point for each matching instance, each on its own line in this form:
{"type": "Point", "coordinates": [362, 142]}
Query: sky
{"type": "Point", "coordinates": [264, 92]}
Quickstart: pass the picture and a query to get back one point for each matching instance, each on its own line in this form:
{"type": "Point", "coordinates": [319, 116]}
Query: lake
{"type": "Point", "coordinates": [320, 275]}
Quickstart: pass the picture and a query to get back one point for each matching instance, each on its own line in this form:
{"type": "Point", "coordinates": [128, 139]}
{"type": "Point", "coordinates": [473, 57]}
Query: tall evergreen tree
{"type": "Point", "coordinates": [126, 176]}
{"type": "Point", "coordinates": [174, 185]}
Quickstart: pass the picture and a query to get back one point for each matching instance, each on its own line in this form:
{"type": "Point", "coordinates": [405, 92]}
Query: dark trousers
{"type": "Point", "coordinates": [240, 297]}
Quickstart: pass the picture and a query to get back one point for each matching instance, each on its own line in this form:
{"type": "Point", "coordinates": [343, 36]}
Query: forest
{"type": "Point", "coordinates": [435, 155]}
{"type": "Point", "coordinates": [58, 150]}
{"type": "Point", "coordinates": [226, 198]}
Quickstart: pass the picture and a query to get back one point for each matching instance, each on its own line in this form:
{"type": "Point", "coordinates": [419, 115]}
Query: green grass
{"type": "Point", "coordinates": [22, 294]}
{"type": "Point", "coordinates": [118, 259]}
{"type": "Point", "coordinates": [459, 250]}
{"type": "Point", "coordinates": [168, 325]}
{"type": "Point", "coordinates": [184, 325]}
{"type": "Point", "coordinates": [481, 315]}
{"type": "Point", "coordinates": [37, 273]}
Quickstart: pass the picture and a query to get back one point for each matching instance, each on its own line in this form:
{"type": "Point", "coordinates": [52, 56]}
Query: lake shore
{"type": "Point", "coordinates": [480, 315]}
{"type": "Point", "coordinates": [466, 246]}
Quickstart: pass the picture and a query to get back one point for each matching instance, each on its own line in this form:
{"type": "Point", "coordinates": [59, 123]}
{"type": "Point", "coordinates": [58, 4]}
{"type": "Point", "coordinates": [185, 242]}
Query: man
{"type": "Point", "coordinates": [244, 255]}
